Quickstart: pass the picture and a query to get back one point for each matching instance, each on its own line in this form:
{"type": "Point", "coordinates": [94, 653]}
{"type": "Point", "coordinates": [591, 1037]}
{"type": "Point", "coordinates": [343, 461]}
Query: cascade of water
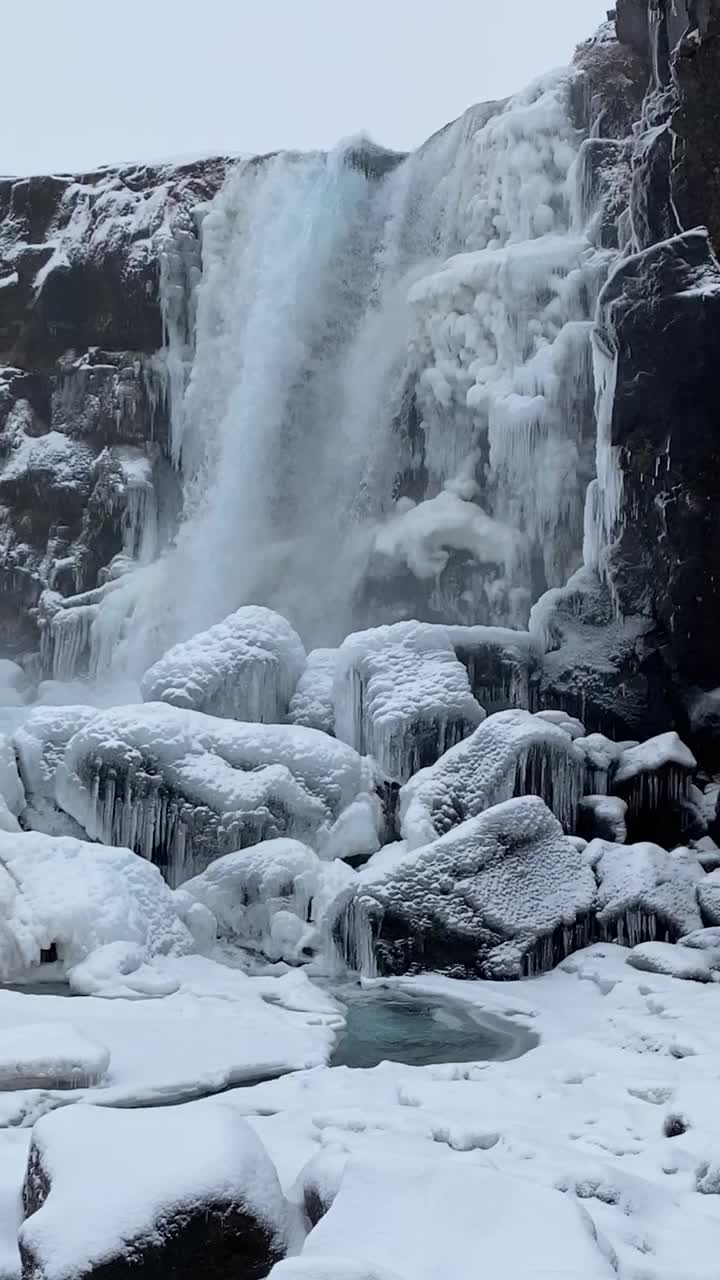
{"type": "Point", "coordinates": [389, 374]}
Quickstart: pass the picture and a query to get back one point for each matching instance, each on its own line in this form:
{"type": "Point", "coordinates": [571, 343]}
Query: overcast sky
{"type": "Point", "coordinates": [86, 82]}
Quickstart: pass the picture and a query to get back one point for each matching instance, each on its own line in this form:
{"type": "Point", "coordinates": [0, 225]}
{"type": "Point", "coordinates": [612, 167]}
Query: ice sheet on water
{"type": "Point", "coordinates": [244, 668]}
{"type": "Point", "coordinates": [402, 696]}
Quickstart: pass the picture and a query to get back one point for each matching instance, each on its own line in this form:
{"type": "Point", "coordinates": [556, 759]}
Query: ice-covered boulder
{"type": "Point", "coordinates": [312, 703]}
{"type": "Point", "coordinates": [244, 668]}
{"type": "Point", "coordinates": [270, 898]}
{"type": "Point", "coordinates": [603, 818]}
{"type": "Point", "coordinates": [709, 898]}
{"type": "Point", "coordinates": [644, 892]}
{"type": "Point", "coordinates": [180, 1191]}
{"type": "Point", "coordinates": [502, 894]}
{"type": "Point", "coordinates": [601, 759]}
{"type": "Point", "coordinates": [39, 744]}
{"type": "Point", "coordinates": [61, 899]}
{"type": "Point", "coordinates": [512, 754]}
{"type": "Point", "coordinates": [402, 696]}
{"type": "Point", "coordinates": [654, 778]}
{"type": "Point", "coordinates": [676, 961]}
{"type": "Point", "coordinates": [50, 1055]}
{"type": "Point", "coordinates": [181, 788]}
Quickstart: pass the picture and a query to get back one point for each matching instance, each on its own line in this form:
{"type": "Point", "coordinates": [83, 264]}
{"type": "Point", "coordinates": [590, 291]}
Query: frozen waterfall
{"type": "Point", "coordinates": [381, 388]}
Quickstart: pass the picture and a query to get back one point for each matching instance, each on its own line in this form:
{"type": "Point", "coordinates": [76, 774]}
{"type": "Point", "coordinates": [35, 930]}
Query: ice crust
{"type": "Point", "coordinates": [244, 668]}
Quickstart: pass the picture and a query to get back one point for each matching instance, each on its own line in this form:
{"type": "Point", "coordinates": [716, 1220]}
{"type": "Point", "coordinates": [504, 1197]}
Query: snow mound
{"type": "Point", "coordinates": [270, 898]}
{"type": "Point", "coordinates": [555, 1241]}
{"type": "Point", "coordinates": [50, 1056]}
{"type": "Point", "coordinates": [503, 893]}
{"type": "Point", "coordinates": [402, 696]}
{"type": "Point", "coordinates": [182, 788]}
{"type": "Point", "coordinates": [675, 961]}
{"type": "Point", "coordinates": [645, 892]}
{"type": "Point", "coordinates": [312, 703]}
{"type": "Point", "coordinates": [104, 1184]}
{"type": "Point", "coordinates": [513, 753]}
{"type": "Point", "coordinates": [244, 668]}
{"type": "Point", "coordinates": [61, 898]}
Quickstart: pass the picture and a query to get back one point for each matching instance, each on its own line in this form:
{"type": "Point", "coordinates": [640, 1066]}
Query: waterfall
{"type": "Point", "coordinates": [388, 393]}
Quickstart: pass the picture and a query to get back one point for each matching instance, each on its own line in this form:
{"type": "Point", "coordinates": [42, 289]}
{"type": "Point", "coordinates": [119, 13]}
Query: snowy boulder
{"type": "Point", "coordinates": [708, 892]}
{"type": "Point", "coordinates": [182, 1191]}
{"type": "Point", "coordinates": [244, 668]}
{"type": "Point", "coordinates": [270, 898]}
{"type": "Point", "coordinates": [39, 743]}
{"type": "Point", "coordinates": [61, 899]}
{"type": "Point", "coordinates": [644, 893]}
{"type": "Point", "coordinates": [502, 894]}
{"type": "Point", "coordinates": [50, 1055]}
{"type": "Point", "coordinates": [654, 778]}
{"type": "Point", "coordinates": [512, 754]}
{"type": "Point", "coordinates": [603, 818]}
{"type": "Point", "coordinates": [312, 703]}
{"type": "Point", "coordinates": [181, 788]}
{"type": "Point", "coordinates": [402, 696]}
{"type": "Point", "coordinates": [676, 961]}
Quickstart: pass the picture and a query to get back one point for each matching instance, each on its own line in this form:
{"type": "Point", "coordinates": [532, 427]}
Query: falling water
{"type": "Point", "coordinates": [389, 381]}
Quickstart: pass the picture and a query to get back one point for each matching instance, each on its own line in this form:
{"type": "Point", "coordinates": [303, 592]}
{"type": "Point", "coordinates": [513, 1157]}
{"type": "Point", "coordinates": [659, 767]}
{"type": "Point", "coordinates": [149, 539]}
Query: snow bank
{"type": "Point", "coordinates": [645, 892]}
{"type": "Point", "coordinates": [270, 898]}
{"type": "Point", "coordinates": [182, 788]}
{"type": "Point", "coordinates": [62, 898]}
{"type": "Point", "coordinates": [473, 1213]}
{"type": "Point", "coordinates": [312, 702]}
{"type": "Point", "coordinates": [502, 893]}
{"type": "Point", "coordinates": [402, 696]}
{"type": "Point", "coordinates": [513, 753]}
{"type": "Point", "coordinates": [106, 1185]}
{"type": "Point", "coordinates": [38, 1056]}
{"type": "Point", "coordinates": [244, 668]}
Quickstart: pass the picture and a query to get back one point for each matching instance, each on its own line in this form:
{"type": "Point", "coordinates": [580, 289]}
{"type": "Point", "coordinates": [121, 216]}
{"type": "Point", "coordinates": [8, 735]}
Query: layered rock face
{"type": "Point", "coordinates": [84, 386]}
{"type": "Point", "coordinates": [655, 523]}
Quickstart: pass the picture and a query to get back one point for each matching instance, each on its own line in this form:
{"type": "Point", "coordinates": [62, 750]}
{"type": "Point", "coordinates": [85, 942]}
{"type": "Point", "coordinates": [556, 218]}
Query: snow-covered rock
{"type": "Point", "coordinates": [709, 898]}
{"type": "Point", "coordinates": [603, 817]}
{"type": "Point", "coordinates": [503, 893]}
{"type": "Point", "coordinates": [644, 892]}
{"type": "Point", "coordinates": [270, 898]}
{"type": "Point", "coordinates": [182, 1191]}
{"type": "Point", "coordinates": [474, 1213]}
{"type": "Point", "coordinates": [512, 754]}
{"type": "Point", "coordinates": [676, 961]}
{"type": "Point", "coordinates": [402, 696]}
{"type": "Point", "coordinates": [244, 668]}
{"type": "Point", "coordinates": [182, 788]}
{"type": "Point", "coordinates": [62, 898]}
{"type": "Point", "coordinates": [42, 1056]}
{"type": "Point", "coordinates": [500, 663]}
{"type": "Point", "coordinates": [312, 703]}
{"type": "Point", "coordinates": [39, 743]}
{"type": "Point", "coordinates": [654, 778]}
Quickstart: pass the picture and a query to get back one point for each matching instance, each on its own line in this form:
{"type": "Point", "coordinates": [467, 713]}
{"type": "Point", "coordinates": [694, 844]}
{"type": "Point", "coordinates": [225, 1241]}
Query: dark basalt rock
{"type": "Point", "coordinates": [660, 316]}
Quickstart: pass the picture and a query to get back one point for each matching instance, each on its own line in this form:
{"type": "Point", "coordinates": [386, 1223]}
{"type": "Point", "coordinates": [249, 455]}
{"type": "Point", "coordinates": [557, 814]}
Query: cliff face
{"type": "Point", "coordinates": [658, 342]}
{"type": "Point", "coordinates": [83, 393]}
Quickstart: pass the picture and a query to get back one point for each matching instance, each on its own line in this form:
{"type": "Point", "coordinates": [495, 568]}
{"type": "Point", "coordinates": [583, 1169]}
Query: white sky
{"type": "Point", "coordinates": [86, 82]}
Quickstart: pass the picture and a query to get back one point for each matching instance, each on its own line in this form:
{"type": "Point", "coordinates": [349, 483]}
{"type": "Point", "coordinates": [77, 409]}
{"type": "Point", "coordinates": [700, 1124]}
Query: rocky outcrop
{"type": "Point", "coordinates": [84, 394]}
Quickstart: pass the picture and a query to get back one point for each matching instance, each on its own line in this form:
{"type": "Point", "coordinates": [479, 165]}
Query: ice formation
{"type": "Point", "coordinates": [402, 696]}
{"type": "Point", "coordinates": [654, 778]}
{"type": "Point", "coordinates": [181, 787]}
{"type": "Point", "coordinates": [50, 1057]}
{"type": "Point", "coordinates": [513, 753]}
{"type": "Point", "coordinates": [271, 898]}
{"type": "Point", "coordinates": [499, 662]}
{"type": "Point", "coordinates": [62, 899]}
{"type": "Point", "coordinates": [312, 703]}
{"type": "Point", "coordinates": [502, 893]}
{"type": "Point", "coordinates": [244, 668]}
{"type": "Point", "coordinates": [603, 817]}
